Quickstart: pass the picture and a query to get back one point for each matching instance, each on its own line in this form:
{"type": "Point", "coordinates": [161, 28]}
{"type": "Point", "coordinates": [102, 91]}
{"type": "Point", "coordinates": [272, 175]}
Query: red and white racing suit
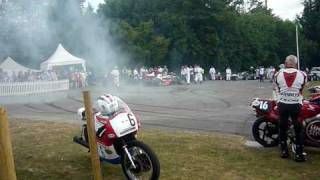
{"type": "Point", "coordinates": [289, 85]}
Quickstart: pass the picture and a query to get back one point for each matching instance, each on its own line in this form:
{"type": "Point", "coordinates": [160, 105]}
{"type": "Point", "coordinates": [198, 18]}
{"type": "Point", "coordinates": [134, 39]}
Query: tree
{"type": "Point", "coordinates": [310, 22]}
{"type": "Point", "coordinates": [201, 32]}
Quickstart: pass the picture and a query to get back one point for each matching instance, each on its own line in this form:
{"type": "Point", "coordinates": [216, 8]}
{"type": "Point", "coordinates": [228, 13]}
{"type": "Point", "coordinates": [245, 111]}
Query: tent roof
{"type": "Point", "coordinates": [10, 65]}
{"type": "Point", "coordinates": [62, 57]}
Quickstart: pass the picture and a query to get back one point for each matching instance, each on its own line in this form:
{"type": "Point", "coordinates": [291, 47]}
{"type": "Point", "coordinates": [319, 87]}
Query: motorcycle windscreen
{"type": "Point", "coordinates": [124, 123]}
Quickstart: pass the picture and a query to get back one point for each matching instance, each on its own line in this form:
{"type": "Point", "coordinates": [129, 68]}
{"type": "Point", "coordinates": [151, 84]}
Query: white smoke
{"type": "Point", "coordinates": [30, 31]}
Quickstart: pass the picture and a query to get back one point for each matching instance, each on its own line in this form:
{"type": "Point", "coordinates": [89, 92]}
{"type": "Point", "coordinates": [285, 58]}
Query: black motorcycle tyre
{"type": "Point", "coordinates": [256, 133]}
{"type": "Point", "coordinates": [153, 158]}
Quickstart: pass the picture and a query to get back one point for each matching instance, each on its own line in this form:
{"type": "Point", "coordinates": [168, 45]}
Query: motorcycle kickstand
{"type": "Point", "coordinates": [129, 156]}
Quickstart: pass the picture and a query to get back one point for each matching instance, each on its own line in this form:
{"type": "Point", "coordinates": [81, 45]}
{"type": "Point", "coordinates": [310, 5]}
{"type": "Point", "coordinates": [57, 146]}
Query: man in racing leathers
{"type": "Point", "coordinates": [290, 83]}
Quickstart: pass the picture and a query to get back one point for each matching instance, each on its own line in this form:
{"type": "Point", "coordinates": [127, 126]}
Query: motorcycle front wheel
{"type": "Point", "coordinates": [145, 160]}
{"type": "Point", "coordinates": [265, 133]}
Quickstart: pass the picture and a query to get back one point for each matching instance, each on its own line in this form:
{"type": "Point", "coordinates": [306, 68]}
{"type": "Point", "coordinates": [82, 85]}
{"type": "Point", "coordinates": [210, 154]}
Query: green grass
{"type": "Point", "coordinates": [45, 151]}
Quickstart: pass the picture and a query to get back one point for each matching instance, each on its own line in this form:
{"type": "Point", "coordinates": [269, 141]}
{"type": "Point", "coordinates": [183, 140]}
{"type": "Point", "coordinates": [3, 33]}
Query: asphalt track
{"type": "Point", "coordinates": [213, 106]}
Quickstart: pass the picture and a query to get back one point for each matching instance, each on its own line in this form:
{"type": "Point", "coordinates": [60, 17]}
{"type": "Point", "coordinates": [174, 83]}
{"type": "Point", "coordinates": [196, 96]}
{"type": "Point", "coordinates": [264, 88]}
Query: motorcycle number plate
{"type": "Point", "coordinates": [124, 123]}
{"type": "Point", "coordinates": [260, 104]}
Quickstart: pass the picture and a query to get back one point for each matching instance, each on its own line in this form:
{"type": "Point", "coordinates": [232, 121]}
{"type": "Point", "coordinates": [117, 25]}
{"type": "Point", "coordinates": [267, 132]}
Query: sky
{"type": "Point", "coordinates": [285, 9]}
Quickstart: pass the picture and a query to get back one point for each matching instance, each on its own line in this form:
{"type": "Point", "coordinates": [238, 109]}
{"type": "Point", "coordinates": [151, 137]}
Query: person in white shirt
{"type": "Point", "coordinates": [198, 74]}
{"type": "Point", "coordinates": [182, 72]}
{"type": "Point", "coordinates": [135, 74]}
{"type": "Point", "coordinates": [83, 79]}
{"type": "Point", "coordinates": [187, 71]}
{"type": "Point", "coordinates": [160, 70]}
{"type": "Point", "coordinates": [143, 72]}
{"type": "Point", "coordinates": [115, 76]}
{"type": "Point", "coordinates": [165, 70]}
{"type": "Point", "coordinates": [202, 73]}
{"type": "Point", "coordinates": [212, 73]}
{"type": "Point", "coordinates": [261, 73]}
{"type": "Point", "coordinates": [228, 74]}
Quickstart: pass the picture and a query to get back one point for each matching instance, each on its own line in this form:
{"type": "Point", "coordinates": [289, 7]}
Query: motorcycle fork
{"type": "Point", "coordinates": [124, 147]}
{"type": "Point", "coordinates": [84, 133]}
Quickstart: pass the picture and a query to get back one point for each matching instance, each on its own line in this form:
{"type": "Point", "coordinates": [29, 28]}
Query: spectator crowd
{"type": "Point", "coordinates": [188, 74]}
{"type": "Point", "coordinates": [27, 76]}
{"type": "Point", "coordinates": [77, 79]}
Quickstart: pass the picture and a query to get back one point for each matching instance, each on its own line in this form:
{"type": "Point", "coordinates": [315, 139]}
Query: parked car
{"type": "Point", "coordinates": [235, 77]}
{"type": "Point", "coordinates": [314, 74]}
{"type": "Point", "coordinates": [243, 75]}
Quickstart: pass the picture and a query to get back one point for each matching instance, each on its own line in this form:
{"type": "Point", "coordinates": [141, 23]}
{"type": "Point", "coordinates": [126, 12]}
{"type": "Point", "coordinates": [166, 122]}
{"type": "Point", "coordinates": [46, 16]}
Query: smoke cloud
{"type": "Point", "coordinates": [30, 31]}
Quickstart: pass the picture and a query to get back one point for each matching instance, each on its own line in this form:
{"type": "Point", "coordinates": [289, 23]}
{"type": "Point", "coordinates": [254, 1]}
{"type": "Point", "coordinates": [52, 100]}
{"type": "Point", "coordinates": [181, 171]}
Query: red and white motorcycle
{"type": "Point", "coordinates": [118, 145]}
{"type": "Point", "coordinates": [265, 129]}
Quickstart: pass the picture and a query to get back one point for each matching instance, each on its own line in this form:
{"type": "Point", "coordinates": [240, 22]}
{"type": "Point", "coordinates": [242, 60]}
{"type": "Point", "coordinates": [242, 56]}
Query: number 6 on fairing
{"type": "Point", "coordinates": [131, 119]}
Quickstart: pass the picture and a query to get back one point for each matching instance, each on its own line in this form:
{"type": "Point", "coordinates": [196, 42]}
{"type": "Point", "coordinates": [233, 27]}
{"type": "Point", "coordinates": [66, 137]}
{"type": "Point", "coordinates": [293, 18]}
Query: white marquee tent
{"type": "Point", "coordinates": [10, 66]}
{"type": "Point", "coordinates": [62, 57]}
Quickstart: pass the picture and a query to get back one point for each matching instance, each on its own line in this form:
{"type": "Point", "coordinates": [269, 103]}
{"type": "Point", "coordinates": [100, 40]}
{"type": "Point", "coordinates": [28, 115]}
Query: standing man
{"type": "Point", "coordinates": [165, 70]}
{"type": "Point", "coordinates": [115, 76]}
{"type": "Point", "coordinates": [289, 83]}
{"type": "Point", "coordinates": [202, 74]}
{"type": "Point", "coordinates": [183, 72]}
{"type": "Point", "coordinates": [187, 74]}
{"type": "Point", "coordinates": [135, 74]}
{"type": "Point", "coordinates": [198, 74]}
{"type": "Point", "coordinates": [228, 74]}
{"type": "Point", "coordinates": [261, 73]}
{"type": "Point", "coordinates": [212, 73]}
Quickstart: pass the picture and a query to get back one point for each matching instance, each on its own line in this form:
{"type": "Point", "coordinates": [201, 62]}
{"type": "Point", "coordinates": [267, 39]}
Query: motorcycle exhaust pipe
{"type": "Point", "coordinates": [80, 141]}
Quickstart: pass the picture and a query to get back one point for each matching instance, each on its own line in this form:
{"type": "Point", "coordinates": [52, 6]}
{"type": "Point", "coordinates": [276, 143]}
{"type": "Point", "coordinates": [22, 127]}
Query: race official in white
{"type": "Point", "coordinates": [212, 72]}
{"type": "Point", "coordinates": [115, 73]}
{"type": "Point", "coordinates": [198, 74]}
{"type": "Point", "coordinates": [289, 85]}
{"type": "Point", "coordinates": [228, 74]}
{"type": "Point", "coordinates": [187, 71]}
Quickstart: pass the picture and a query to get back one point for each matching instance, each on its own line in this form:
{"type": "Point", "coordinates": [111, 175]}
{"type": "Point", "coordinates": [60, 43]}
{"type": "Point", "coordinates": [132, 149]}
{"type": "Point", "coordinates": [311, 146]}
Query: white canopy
{"type": "Point", "coordinates": [10, 66]}
{"type": "Point", "coordinates": [61, 57]}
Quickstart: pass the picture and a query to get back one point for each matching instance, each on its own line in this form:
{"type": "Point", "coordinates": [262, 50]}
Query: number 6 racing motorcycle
{"type": "Point", "coordinates": [265, 129]}
{"type": "Point", "coordinates": [116, 133]}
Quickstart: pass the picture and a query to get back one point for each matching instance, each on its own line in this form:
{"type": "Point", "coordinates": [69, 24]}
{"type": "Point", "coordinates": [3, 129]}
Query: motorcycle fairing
{"type": "Point", "coordinates": [124, 123]}
{"type": "Point", "coordinates": [108, 154]}
{"type": "Point", "coordinates": [312, 129]}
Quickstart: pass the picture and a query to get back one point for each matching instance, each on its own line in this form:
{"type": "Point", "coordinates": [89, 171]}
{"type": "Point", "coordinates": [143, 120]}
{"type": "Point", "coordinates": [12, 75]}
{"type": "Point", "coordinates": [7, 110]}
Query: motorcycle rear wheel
{"type": "Point", "coordinates": [265, 133]}
{"type": "Point", "coordinates": [145, 160]}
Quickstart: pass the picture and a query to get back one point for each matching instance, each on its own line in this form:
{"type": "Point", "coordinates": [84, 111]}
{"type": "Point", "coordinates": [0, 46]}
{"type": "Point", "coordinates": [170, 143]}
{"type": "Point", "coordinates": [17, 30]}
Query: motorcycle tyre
{"type": "Point", "coordinates": [151, 154]}
{"type": "Point", "coordinates": [256, 135]}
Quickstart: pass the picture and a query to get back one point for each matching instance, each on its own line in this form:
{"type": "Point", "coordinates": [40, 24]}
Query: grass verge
{"type": "Point", "coordinates": [45, 151]}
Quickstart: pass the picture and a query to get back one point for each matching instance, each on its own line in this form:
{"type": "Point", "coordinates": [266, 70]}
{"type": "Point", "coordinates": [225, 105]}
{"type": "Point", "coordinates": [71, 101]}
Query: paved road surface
{"type": "Point", "coordinates": [218, 106]}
